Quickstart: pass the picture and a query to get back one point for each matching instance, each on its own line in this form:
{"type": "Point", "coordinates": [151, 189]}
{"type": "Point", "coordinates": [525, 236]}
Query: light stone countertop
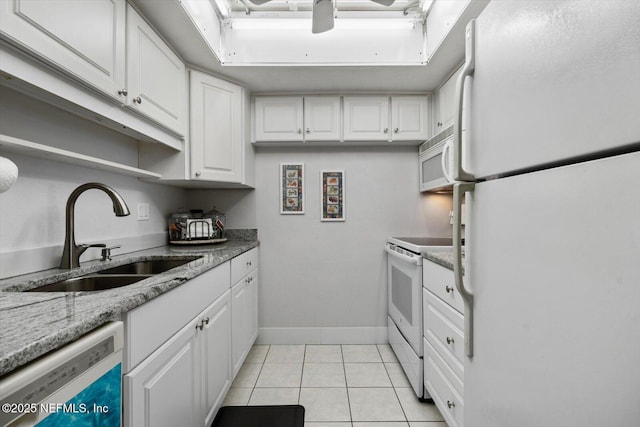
{"type": "Point", "coordinates": [441, 257]}
{"type": "Point", "coordinates": [35, 323]}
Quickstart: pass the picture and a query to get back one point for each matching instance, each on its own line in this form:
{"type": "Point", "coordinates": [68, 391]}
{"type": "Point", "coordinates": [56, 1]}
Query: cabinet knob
{"type": "Point", "coordinates": [299, 130]}
{"type": "Point", "coordinates": [448, 289]}
{"type": "Point", "coordinates": [308, 130]}
{"type": "Point", "coordinates": [137, 100]}
{"type": "Point", "coordinates": [200, 325]}
{"type": "Point", "coordinates": [248, 263]}
{"type": "Point", "coordinates": [198, 173]}
{"type": "Point", "coordinates": [395, 130]}
{"type": "Point", "coordinates": [206, 321]}
{"type": "Point", "coordinates": [439, 124]}
{"type": "Point", "coordinates": [386, 130]}
{"type": "Point", "coordinates": [123, 92]}
{"type": "Point", "coordinates": [450, 404]}
{"type": "Point", "coordinates": [449, 340]}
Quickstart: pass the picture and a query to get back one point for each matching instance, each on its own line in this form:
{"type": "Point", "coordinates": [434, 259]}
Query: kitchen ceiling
{"type": "Point", "coordinates": [180, 29]}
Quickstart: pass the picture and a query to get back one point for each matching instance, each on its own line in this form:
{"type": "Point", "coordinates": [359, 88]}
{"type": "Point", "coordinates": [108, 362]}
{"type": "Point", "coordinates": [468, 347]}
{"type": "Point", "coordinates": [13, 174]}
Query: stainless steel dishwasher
{"type": "Point", "coordinates": [78, 385]}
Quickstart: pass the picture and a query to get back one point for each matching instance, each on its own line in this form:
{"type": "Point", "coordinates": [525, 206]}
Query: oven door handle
{"type": "Point", "coordinates": [414, 260]}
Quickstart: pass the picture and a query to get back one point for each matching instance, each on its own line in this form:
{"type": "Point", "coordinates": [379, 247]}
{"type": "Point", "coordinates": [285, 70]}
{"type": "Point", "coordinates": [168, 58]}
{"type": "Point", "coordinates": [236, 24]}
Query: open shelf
{"type": "Point", "coordinates": [33, 149]}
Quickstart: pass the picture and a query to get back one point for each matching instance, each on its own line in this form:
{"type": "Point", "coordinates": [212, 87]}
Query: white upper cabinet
{"type": "Point", "coordinates": [409, 118]}
{"type": "Point", "coordinates": [322, 118]}
{"type": "Point", "coordinates": [366, 118]}
{"type": "Point", "coordinates": [279, 118]}
{"type": "Point", "coordinates": [445, 103]}
{"type": "Point", "coordinates": [156, 78]}
{"type": "Point", "coordinates": [85, 39]}
{"type": "Point", "coordinates": [217, 139]}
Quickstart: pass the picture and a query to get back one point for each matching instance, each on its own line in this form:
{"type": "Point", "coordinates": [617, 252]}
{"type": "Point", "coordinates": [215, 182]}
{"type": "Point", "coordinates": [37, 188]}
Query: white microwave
{"type": "Point", "coordinates": [432, 158]}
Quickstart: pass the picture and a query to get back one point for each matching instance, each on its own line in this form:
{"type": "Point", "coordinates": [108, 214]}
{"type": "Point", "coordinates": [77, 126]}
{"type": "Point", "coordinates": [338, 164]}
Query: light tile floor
{"type": "Point", "coordinates": [339, 385]}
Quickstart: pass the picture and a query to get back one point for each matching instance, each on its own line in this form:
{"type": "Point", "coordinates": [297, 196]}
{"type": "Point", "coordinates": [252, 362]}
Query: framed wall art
{"type": "Point", "coordinates": [332, 191]}
{"type": "Point", "coordinates": [291, 188]}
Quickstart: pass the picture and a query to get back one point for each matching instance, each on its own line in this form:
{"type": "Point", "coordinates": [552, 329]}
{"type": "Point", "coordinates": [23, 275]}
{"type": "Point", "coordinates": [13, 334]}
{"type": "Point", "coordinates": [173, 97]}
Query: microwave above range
{"type": "Point", "coordinates": [432, 158]}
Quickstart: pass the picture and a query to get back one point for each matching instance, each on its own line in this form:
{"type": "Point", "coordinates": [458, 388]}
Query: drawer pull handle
{"type": "Point", "coordinates": [451, 404]}
{"type": "Point", "coordinates": [450, 340]}
{"type": "Point", "coordinates": [206, 321]}
{"type": "Point", "coordinates": [248, 263]}
{"type": "Point", "coordinates": [448, 289]}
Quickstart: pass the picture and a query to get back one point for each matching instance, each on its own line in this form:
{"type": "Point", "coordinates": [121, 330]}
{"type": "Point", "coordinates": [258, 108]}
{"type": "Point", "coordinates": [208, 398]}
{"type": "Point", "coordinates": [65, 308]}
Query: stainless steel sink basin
{"type": "Point", "coordinates": [154, 266]}
{"type": "Point", "coordinates": [91, 283]}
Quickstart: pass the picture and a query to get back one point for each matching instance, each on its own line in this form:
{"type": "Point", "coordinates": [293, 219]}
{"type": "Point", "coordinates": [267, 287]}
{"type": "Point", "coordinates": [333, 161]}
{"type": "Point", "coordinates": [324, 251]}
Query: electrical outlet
{"type": "Point", "coordinates": [143, 211]}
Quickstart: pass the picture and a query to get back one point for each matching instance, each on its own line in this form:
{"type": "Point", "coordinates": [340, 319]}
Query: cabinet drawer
{"type": "Point", "coordinates": [443, 385]}
{"type": "Point", "coordinates": [147, 327]}
{"type": "Point", "coordinates": [440, 281]}
{"type": "Point", "coordinates": [444, 329]}
{"type": "Point", "coordinates": [243, 264]}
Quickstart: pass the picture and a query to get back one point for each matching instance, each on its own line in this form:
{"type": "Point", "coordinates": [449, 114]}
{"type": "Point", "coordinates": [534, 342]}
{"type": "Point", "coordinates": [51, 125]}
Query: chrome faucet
{"type": "Point", "coordinates": [72, 251]}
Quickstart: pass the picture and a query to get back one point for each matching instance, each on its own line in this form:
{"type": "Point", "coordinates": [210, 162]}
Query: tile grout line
{"type": "Point", "coordinates": [304, 357]}
{"type": "Point", "coordinates": [406, 419]}
{"type": "Point", "coordinates": [346, 385]}
{"type": "Point", "coordinates": [253, 389]}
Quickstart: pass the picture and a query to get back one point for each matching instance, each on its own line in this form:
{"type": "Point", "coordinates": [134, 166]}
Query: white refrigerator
{"type": "Point", "coordinates": [547, 155]}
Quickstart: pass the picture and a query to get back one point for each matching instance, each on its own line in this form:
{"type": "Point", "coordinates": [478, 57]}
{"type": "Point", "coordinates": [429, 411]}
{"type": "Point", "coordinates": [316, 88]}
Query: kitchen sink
{"type": "Point", "coordinates": [92, 282]}
{"type": "Point", "coordinates": [154, 266]}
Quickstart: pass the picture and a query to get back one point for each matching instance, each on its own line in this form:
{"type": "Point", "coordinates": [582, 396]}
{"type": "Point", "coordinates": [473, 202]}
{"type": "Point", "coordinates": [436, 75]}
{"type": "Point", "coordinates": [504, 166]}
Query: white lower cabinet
{"type": "Point", "coordinates": [216, 373]}
{"type": "Point", "coordinates": [184, 382]}
{"type": "Point", "coordinates": [443, 342]}
{"type": "Point", "coordinates": [244, 307]}
{"type": "Point", "coordinates": [163, 390]}
{"type": "Point", "coordinates": [184, 348]}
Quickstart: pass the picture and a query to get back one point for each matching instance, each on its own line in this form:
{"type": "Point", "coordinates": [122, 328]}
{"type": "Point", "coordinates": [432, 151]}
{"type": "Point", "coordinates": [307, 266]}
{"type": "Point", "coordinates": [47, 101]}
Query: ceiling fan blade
{"type": "Point", "coordinates": [382, 2]}
{"type": "Point", "coordinates": [322, 18]}
{"type": "Point", "coordinates": [259, 2]}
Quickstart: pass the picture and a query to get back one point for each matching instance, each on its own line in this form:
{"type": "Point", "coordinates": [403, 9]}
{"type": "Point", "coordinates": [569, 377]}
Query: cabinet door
{"type": "Point", "coordinates": [252, 309]}
{"type": "Point", "coordinates": [216, 356]}
{"type": "Point", "coordinates": [239, 303]}
{"type": "Point", "coordinates": [279, 118]}
{"type": "Point", "coordinates": [164, 389]}
{"type": "Point", "coordinates": [85, 39]}
{"type": "Point", "coordinates": [322, 118]}
{"type": "Point", "coordinates": [156, 79]}
{"type": "Point", "coordinates": [410, 118]}
{"type": "Point", "coordinates": [216, 129]}
{"type": "Point", "coordinates": [366, 118]}
{"type": "Point", "coordinates": [445, 105]}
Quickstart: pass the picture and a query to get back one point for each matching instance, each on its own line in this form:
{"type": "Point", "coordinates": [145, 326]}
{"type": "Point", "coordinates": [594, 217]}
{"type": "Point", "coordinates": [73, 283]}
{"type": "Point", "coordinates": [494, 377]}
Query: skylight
{"type": "Point", "coordinates": [279, 32]}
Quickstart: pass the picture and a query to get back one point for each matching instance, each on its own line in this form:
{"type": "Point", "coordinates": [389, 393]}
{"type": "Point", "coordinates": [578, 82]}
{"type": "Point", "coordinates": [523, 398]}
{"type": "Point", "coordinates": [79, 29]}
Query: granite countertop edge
{"type": "Point", "coordinates": [35, 323]}
{"type": "Point", "coordinates": [440, 257]}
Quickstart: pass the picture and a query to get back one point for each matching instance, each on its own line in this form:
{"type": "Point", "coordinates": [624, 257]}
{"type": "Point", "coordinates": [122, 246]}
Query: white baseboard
{"type": "Point", "coordinates": [25, 261]}
{"type": "Point", "coordinates": [328, 335]}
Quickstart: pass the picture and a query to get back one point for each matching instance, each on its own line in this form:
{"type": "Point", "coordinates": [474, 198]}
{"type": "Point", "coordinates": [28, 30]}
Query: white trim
{"type": "Point", "coordinates": [23, 261]}
{"type": "Point", "coordinates": [324, 335]}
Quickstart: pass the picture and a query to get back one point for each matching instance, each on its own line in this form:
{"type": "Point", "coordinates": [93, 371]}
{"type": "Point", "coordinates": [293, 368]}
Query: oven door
{"type": "Point", "coordinates": [404, 279]}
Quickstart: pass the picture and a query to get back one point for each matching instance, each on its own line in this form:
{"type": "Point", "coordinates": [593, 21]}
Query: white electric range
{"type": "Point", "coordinates": [404, 283]}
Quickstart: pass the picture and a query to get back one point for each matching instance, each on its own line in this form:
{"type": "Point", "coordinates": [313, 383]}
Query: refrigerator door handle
{"type": "Point", "coordinates": [459, 174]}
{"type": "Point", "coordinates": [459, 189]}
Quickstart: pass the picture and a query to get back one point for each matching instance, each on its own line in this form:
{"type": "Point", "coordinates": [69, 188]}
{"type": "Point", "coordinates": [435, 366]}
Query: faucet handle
{"type": "Point", "coordinates": [106, 252]}
{"type": "Point", "coordinates": [83, 247]}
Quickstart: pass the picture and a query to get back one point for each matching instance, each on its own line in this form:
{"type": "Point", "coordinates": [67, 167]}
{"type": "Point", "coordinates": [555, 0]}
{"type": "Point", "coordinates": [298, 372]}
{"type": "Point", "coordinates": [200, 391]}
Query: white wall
{"type": "Point", "coordinates": [32, 212]}
{"type": "Point", "coordinates": [322, 281]}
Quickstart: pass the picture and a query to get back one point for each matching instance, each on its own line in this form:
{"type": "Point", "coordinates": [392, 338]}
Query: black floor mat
{"type": "Point", "coordinates": [260, 416]}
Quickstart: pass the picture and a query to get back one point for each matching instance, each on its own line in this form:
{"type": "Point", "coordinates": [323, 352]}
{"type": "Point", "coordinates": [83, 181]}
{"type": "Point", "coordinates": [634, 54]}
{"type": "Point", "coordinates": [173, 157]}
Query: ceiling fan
{"type": "Point", "coordinates": [322, 13]}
